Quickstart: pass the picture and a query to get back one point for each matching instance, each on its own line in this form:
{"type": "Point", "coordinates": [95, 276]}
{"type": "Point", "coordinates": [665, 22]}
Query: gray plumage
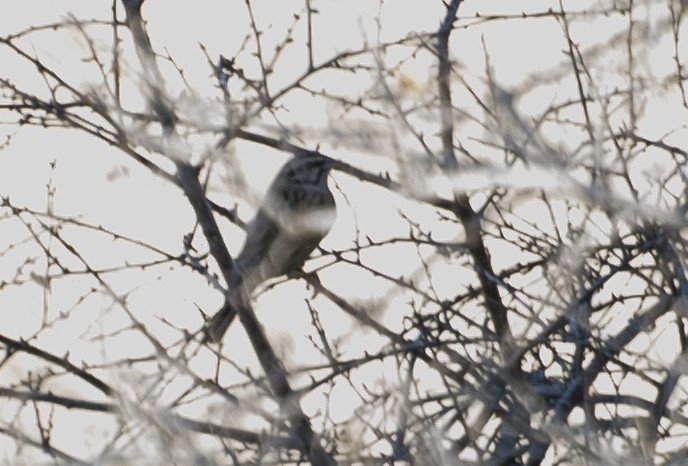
{"type": "Point", "coordinates": [297, 212]}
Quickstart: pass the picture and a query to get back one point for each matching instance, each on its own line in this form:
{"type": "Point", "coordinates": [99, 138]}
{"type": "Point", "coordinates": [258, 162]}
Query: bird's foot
{"type": "Point", "coordinates": [312, 281]}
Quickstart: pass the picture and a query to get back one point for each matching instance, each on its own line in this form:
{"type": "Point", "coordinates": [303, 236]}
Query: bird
{"type": "Point", "coordinates": [297, 212]}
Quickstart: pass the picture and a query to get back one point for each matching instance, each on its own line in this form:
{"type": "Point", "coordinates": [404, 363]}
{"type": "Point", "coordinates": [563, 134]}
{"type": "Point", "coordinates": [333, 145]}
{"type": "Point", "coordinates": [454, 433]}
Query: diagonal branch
{"type": "Point", "coordinates": [188, 180]}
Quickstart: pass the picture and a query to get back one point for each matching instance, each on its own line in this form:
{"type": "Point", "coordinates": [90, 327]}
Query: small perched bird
{"type": "Point", "coordinates": [297, 212]}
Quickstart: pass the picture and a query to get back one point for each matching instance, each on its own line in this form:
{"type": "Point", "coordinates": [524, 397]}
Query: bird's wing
{"type": "Point", "coordinates": [260, 234]}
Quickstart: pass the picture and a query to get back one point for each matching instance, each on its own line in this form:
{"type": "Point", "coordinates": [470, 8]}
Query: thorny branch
{"type": "Point", "coordinates": [536, 301]}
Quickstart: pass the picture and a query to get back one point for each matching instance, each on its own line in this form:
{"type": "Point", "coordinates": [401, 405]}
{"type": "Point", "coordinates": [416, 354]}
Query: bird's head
{"type": "Point", "coordinates": [307, 168]}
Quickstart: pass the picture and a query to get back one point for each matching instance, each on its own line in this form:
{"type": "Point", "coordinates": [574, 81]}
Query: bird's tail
{"type": "Point", "coordinates": [216, 327]}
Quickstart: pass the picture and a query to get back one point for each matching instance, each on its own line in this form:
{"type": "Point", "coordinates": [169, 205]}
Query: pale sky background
{"type": "Point", "coordinates": [102, 186]}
